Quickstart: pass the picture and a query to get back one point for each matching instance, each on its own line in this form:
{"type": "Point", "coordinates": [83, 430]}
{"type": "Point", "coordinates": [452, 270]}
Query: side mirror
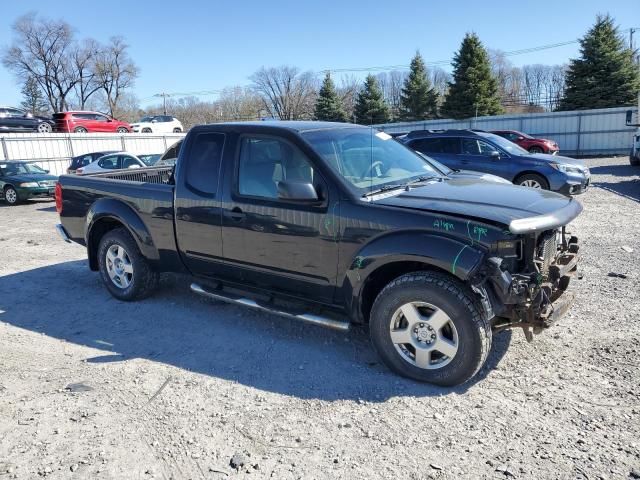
{"type": "Point", "coordinates": [629, 117]}
{"type": "Point", "coordinates": [28, 115]}
{"type": "Point", "coordinates": [109, 119]}
{"type": "Point", "coordinates": [47, 171]}
{"type": "Point", "coordinates": [304, 192]}
{"type": "Point", "coordinates": [520, 138]}
{"type": "Point", "coordinates": [494, 155]}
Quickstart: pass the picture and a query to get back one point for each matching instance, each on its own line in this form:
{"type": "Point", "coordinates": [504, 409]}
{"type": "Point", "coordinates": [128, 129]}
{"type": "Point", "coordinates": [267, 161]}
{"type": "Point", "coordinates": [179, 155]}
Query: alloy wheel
{"type": "Point", "coordinates": [424, 335]}
{"type": "Point", "coordinates": [119, 266]}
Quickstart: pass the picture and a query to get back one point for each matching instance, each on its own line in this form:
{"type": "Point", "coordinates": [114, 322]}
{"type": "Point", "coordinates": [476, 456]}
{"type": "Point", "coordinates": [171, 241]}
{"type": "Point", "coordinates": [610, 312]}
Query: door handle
{"type": "Point", "coordinates": [235, 214]}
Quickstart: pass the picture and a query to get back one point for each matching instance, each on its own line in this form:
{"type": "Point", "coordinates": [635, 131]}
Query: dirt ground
{"type": "Point", "coordinates": [180, 387]}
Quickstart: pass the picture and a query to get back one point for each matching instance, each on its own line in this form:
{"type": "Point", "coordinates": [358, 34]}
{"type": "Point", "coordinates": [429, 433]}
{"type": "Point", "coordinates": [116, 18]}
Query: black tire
{"type": "Point", "coordinates": [532, 177]}
{"type": "Point", "coordinates": [177, 130]}
{"type": "Point", "coordinates": [80, 130]}
{"type": "Point", "coordinates": [122, 130]}
{"type": "Point", "coordinates": [11, 195]}
{"type": "Point", "coordinates": [146, 130]}
{"type": "Point", "coordinates": [535, 149]}
{"type": "Point", "coordinates": [468, 314]}
{"type": "Point", "coordinates": [144, 280]}
{"type": "Point", "coordinates": [635, 161]}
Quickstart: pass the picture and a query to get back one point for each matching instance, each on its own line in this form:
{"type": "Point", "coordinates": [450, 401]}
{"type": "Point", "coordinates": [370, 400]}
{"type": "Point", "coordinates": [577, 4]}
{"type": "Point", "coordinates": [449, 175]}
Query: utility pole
{"type": "Point", "coordinates": [164, 100]}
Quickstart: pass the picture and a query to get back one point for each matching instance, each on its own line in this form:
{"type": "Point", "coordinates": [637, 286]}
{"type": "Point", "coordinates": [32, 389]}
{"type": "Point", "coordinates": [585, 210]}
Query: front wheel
{"type": "Point", "coordinates": [122, 130]}
{"type": "Point", "coordinates": [177, 130]}
{"type": "Point", "coordinates": [532, 180]}
{"type": "Point", "coordinates": [536, 150]}
{"type": "Point", "coordinates": [11, 196]}
{"type": "Point", "coordinates": [429, 327]}
{"type": "Point", "coordinates": [124, 270]}
{"type": "Point", "coordinates": [634, 159]}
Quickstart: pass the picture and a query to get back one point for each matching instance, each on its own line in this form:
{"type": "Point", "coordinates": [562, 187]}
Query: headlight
{"type": "Point", "coordinates": [29, 185]}
{"type": "Point", "coordinates": [567, 168]}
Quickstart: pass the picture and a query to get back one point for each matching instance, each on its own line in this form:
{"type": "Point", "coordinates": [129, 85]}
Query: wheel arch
{"type": "Point", "coordinates": [374, 267]}
{"type": "Point", "coordinates": [529, 172]}
{"type": "Point", "coordinates": [107, 214]}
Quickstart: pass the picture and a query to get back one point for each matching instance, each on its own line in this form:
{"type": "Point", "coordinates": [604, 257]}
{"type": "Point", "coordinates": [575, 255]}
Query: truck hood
{"type": "Point", "coordinates": [521, 209]}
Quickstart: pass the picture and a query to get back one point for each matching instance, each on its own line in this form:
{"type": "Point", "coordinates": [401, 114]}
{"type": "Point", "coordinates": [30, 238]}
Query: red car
{"type": "Point", "coordinates": [82, 122]}
{"type": "Point", "coordinates": [533, 145]}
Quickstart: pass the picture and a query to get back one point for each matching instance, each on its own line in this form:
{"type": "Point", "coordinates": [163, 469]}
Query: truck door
{"type": "Point", "coordinates": [273, 243]}
{"type": "Point", "coordinates": [197, 203]}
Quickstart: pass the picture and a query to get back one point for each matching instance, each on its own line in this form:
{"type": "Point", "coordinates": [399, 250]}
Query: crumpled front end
{"type": "Point", "coordinates": [529, 290]}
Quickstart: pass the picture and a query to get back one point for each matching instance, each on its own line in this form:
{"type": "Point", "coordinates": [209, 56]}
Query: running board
{"type": "Point", "coordinates": [247, 302]}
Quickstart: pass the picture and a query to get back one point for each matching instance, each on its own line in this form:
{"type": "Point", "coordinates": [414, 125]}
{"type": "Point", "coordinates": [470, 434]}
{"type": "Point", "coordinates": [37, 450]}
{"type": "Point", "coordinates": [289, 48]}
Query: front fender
{"type": "Point", "coordinates": [115, 210]}
{"type": "Point", "coordinates": [459, 258]}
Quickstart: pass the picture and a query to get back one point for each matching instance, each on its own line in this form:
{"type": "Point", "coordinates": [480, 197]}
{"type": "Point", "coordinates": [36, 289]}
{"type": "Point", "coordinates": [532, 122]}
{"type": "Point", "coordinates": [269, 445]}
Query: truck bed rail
{"type": "Point", "coordinates": [160, 175]}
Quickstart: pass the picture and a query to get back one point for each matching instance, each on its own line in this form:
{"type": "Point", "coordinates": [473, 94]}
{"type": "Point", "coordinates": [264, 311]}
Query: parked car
{"type": "Point", "coordinates": [85, 159]}
{"type": "Point", "coordinates": [17, 120]}
{"type": "Point", "coordinates": [157, 124]}
{"type": "Point", "coordinates": [449, 172]}
{"type": "Point", "coordinates": [83, 122]}
{"type": "Point", "coordinates": [20, 181]}
{"type": "Point", "coordinates": [490, 153]}
{"type": "Point", "coordinates": [334, 224]}
{"type": "Point", "coordinates": [529, 143]}
{"type": "Point", "coordinates": [112, 161]}
{"type": "Point", "coordinates": [169, 158]}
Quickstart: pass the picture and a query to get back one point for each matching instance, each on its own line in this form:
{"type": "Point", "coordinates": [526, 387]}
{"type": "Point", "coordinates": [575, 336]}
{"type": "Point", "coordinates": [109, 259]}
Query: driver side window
{"type": "Point", "coordinates": [473, 146]}
{"type": "Point", "coordinates": [110, 163]}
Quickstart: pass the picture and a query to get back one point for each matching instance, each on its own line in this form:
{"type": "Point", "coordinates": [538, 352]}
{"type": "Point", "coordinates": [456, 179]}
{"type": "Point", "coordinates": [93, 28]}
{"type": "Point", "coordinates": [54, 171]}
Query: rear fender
{"type": "Point", "coordinates": [459, 258]}
{"type": "Point", "coordinates": [112, 210]}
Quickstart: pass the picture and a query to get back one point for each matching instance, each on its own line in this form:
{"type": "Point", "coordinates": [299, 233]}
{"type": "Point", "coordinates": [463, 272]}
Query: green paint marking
{"type": "Point", "coordinates": [480, 232]}
{"type": "Point", "coordinates": [443, 224]}
{"type": "Point", "coordinates": [455, 260]}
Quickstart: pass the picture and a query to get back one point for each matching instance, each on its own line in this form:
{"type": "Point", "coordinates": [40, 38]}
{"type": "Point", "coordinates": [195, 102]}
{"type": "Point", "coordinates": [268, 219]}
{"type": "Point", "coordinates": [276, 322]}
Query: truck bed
{"type": "Point", "coordinates": [146, 192]}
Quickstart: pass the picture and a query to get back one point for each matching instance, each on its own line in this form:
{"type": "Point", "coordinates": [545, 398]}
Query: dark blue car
{"type": "Point", "coordinates": [486, 152]}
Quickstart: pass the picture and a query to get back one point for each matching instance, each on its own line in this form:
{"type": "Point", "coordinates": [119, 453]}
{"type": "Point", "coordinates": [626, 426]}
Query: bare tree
{"type": "Point", "coordinates": [286, 93]}
{"type": "Point", "coordinates": [84, 58]}
{"type": "Point", "coordinates": [238, 103]}
{"type": "Point", "coordinates": [440, 79]}
{"type": "Point", "coordinates": [115, 71]}
{"type": "Point", "coordinates": [348, 90]}
{"type": "Point", "coordinates": [41, 49]}
{"type": "Point", "coordinates": [391, 84]}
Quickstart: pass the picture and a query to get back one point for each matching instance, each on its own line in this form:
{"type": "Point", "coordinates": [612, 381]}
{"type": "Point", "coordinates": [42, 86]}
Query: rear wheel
{"type": "Point", "coordinates": [536, 149]}
{"type": "Point", "coordinates": [80, 130]}
{"type": "Point", "coordinates": [146, 130]}
{"type": "Point", "coordinates": [532, 180]}
{"type": "Point", "coordinates": [177, 130]}
{"type": "Point", "coordinates": [11, 195]}
{"type": "Point", "coordinates": [124, 270]}
{"type": "Point", "coordinates": [44, 127]}
{"type": "Point", "coordinates": [430, 327]}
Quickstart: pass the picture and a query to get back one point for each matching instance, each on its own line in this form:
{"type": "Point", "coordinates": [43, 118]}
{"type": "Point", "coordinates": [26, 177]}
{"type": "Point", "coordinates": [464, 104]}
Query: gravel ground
{"type": "Point", "coordinates": [181, 387]}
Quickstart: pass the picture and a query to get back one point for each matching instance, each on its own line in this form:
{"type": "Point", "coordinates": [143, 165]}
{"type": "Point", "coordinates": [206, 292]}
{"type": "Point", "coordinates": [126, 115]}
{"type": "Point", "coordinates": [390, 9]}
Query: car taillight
{"type": "Point", "coordinates": [58, 197]}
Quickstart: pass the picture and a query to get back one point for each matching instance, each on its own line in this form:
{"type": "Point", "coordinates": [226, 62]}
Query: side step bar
{"type": "Point", "coordinates": [247, 302]}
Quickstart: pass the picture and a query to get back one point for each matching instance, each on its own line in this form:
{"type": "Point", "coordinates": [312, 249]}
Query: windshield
{"type": "Point", "coordinates": [504, 144]}
{"type": "Point", "coordinates": [150, 159]}
{"type": "Point", "coordinates": [440, 166]}
{"type": "Point", "coordinates": [368, 159]}
{"type": "Point", "coordinates": [146, 119]}
{"type": "Point", "coordinates": [20, 168]}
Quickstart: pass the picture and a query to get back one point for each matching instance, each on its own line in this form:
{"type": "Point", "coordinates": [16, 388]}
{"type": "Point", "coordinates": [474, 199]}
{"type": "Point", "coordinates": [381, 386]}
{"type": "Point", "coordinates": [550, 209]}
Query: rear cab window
{"type": "Point", "coordinates": [203, 168]}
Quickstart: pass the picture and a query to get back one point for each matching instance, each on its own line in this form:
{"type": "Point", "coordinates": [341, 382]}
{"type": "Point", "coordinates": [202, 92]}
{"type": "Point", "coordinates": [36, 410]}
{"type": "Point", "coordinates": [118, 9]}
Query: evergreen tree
{"type": "Point", "coordinates": [370, 106]}
{"type": "Point", "coordinates": [328, 104]}
{"type": "Point", "coordinates": [474, 89]}
{"type": "Point", "coordinates": [34, 101]}
{"type": "Point", "coordinates": [418, 100]}
{"type": "Point", "coordinates": [604, 75]}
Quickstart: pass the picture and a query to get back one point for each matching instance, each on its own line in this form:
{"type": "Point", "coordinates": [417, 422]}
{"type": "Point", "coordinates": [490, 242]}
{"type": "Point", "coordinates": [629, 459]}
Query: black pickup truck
{"type": "Point", "coordinates": [335, 224]}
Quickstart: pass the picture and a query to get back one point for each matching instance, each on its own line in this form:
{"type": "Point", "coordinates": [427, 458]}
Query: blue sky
{"type": "Point", "coordinates": [207, 45]}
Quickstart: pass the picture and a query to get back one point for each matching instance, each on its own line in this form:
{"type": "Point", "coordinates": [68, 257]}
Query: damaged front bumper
{"type": "Point", "coordinates": [536, 300]}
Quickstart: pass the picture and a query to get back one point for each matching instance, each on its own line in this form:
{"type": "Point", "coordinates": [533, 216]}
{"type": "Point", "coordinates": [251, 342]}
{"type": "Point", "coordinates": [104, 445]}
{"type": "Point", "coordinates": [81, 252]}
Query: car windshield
{"type": "Point", "coordinates": [524, 135]}
{"type": "Point", "coordinates": [146, 119]}
{"type": "Point", "coordinates": [150, 159]}
{"type": "Point", "coordinates": [19, 168]}
{"type": "Point", "coordinates": [504, 144]}
{"type": "Point", "coordinates": [368, 159]}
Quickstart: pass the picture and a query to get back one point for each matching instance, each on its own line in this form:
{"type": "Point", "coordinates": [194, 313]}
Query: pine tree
{"type": "Point", "coordinates": [328, 104]}
{"type": "Point", "coordinates": [370, 106]}
{"type": "Point", "coordinates": [34, 101]}
{"type": "Point", "coordinates": [474, 89]}
{"type": "Point", "coordinates": [604, 75]}
{"type": "Point", "coordinates": [418, 100]}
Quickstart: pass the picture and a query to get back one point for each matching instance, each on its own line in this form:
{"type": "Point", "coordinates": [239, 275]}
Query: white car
{"type": "Point", "coordinates": [112, 161]}
{"type": "Point", "coordinates": [157, 124]}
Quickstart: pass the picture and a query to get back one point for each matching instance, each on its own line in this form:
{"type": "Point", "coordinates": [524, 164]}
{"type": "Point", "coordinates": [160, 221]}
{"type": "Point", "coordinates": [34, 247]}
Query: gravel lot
{"type": "Point", "coordinates": [180, 387]}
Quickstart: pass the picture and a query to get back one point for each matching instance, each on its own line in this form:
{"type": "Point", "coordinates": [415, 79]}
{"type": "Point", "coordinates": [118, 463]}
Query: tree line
{"type": "Point", "coordinates": [59, 72]}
